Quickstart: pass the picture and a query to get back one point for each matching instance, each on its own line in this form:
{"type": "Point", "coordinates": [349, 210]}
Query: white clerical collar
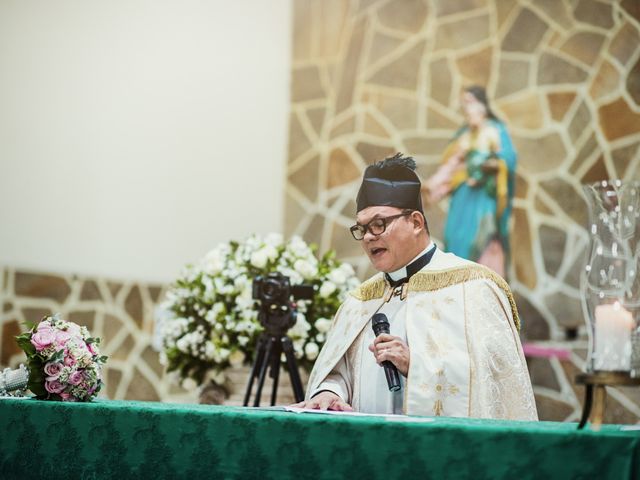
{"type": "Point", "coordinates": [402, 272]}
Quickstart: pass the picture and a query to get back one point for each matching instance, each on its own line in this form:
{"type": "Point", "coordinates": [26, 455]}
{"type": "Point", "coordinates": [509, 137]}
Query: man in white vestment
{"type": "Point", "coordinates": [453, 323]}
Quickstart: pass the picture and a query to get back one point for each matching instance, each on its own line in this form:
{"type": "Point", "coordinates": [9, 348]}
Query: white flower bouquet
{"type": "Point", "coordinates": [214, 319]}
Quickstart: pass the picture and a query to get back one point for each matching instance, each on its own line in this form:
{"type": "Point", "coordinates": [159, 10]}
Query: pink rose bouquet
{"type": "Point", "coordinates": [64, 361]}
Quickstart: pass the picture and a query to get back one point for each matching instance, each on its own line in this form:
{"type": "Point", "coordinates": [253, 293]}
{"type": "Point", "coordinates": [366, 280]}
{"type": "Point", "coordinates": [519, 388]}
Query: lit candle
{"type": "Point", "coordinates": [612, 337]}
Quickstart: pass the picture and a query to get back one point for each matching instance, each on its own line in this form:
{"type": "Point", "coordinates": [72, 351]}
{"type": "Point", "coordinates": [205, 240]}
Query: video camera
{"type": "Point", "coordinates": [274, 291]}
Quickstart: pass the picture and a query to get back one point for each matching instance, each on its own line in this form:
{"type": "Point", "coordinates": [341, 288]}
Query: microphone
{"type": "Point", "coordinates": [380, 324]}
{"type": "Point", "coordinates": [11, 380]}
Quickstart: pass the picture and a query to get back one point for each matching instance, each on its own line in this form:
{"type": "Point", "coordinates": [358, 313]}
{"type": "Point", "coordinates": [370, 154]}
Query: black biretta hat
{"type": "Point", "coordinates": [391, 182]}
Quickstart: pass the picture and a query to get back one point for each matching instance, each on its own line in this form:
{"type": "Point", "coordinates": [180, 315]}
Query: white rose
{"type": "Point", "coordinates": [270, 251]}
{"type": "Point", "coordinates": [219, 378]}
{"type": "Point", "coordinates": [259, 259]}
{"type": "Point", "coordinates": [323, 325]}
{"type": "Point", "coordinates": [236, 358]}
{"type": "Point", "coordinates": [305, 268]}
{"type": "Point", "coordinates": [337, 276]}
{"type": "Point", "coordinates": [274, 239]}
{"type": "Point", "coordinates": [327, 289]}
{"type": "Point", "coordinates": [311, 351]}
{"type": "Point", "coordinates": [213, 261]}
{"type": "Point", "coordinates": [189, 384]}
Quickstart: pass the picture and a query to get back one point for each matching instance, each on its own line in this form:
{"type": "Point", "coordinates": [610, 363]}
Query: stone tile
{"type": "Point", "coordinates": [585, 153]}
{"type": "Point", "coordinates": [606, 81]}
{"type": "Point", "coordinates": [551, 410]}
{"type": "Point", "coordinates": [349, 209]}
{"type": "Point", "coordinates": [403, 15]}
{"type": "Point", "coordinates": [111, 378]}
{"type": "Point", "coordinates": [540, 154]}
{"type": "Point", "coordinates": [617, 120]}
{"type": "Point", "coordinates": [447, 7]}
{"type": "Point", "coordinates": [298, 140]}
{"type": "Point", "coordinates": [435, 120]}
{"type": "Point", "coordinates": [90, 291]}
{"type": "Point", "coordinates": [622, 158]}
{"type": "Point", "coordinates": [632, 7]}
{"type": "Point", "coordinates": [503, 9]}
{"type": "Point", "coordinates": [152, 359]}
{"type": "Point", "coordinates": [317, 117]}
{"type": "Point", "coordinates": [552, 243]}
{"type": "Point", "coordinates": [572, 278]}
{"type": "Point", "coordinates": [343, 242]}
{"type": "Point", "coordinates": [313, 233]}
{"type": "Point", "coordinates": [371, 153]}
{"type": "Point", "coordinates": [559, 103]}
{"type": "Point", "coordinates": [522, 187]}
{"type": "Point", "coordinates": [154, 293]}
{"type": "Point", "coordinates": [134, 306]}
{"type": "Point", "coordinates": [302, 18]}
{"type": "Point", "coordinates": [523, 112]}
{"type": "Point", "coordinates": [581, 119]}
{"type": "Point", "coordinates": [10, 329]}
{"type": "Point", "coordinates": [114, 288]}
{"type": "Point", "coordinates": [342, 168]}
{"type": "Point", "coordinates": [476, 67]}
{"type": "Point", "coordinates": [35, 314]}
{"type": "Point", "coordinates": [425, 145]}
{"type": "Point", "coordinates": [111, 326]}
{"type": "Point", "coordinates": [86, 318]}
{"type": "Point", "coordinates": [142, 389]}
{"type": "Point", "coordinates": [525, 34]}
{"type": "Point", "coordinates": [594, 12]}
{"type": "Point", "coordinates": [306, 84]}
{"type": "Point", "coordinates": [382, 45]}
{"type": "Point", "coordinates": [124, 349]}
{"type": "Point", "coordinates": [555, 70]}
{"type": "Point", "coordinates": [633, 83]}
{"type": "Point", "coordinates": [441, 81]}
{"type": "Point", "coordinates": [350, 70]}
{"type": "Point", "coordinates": [541, 206]}
{"type": "Point", "coordinates": [513, 76]}
{"type": "Point", "coordinates": [401, 72]}
{"type": "Point", "coordinates": [584, 47]}
{"type": "Point", "coordinates": [556, 11]}
{"type": "Point", "coordinates": [306, 178]}
{"type": "Point", "coordinates": [41, 286]}
{"type": "Point", "coordinates": [625, 43]}
{"type": "Point", "coordinates": [568, 199]}
{"type": "Point", "coordinates": [521, 249]}
{"type": "Point", "coordinates": [331, 26]}
{"type": "Point", "coordinates": [293, 213]}
{"type": "Point", "coordinates": [345, 127]}
{"type": "Point", "coordinates": [401, 112]}
{"type": "Point", "coordinates": [566, 309]}
{"type": "Point", "coordinates": [373, 127]}
{"type": "Point", "coordinates": [615, 412]}
{"type": "Point", "coordinates": [597, 172]}
{"type": "Point", "coordinates": [436, 219]}
{"type": "Point", "coordinates": [462, 33]}
{"type": "Point", "coordinates": [542, 374]}
{"type": "Point", "coordinates": [7, 307]}
{"type": "Point", "coordinates": [534, 325]}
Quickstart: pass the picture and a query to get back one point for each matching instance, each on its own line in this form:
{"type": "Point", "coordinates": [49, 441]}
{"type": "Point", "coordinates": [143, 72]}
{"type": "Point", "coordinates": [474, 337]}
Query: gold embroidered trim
{"type": "Point", "coordinates": [436, 280]}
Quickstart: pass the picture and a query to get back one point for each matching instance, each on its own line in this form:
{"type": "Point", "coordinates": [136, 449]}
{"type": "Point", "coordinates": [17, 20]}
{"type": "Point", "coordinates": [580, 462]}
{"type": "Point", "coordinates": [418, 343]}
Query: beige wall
{"type": "Point", "coordinates": [137, 134]}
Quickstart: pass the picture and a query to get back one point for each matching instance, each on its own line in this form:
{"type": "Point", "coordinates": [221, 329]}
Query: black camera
{"type": "Point", "coordinates": [274, 291]}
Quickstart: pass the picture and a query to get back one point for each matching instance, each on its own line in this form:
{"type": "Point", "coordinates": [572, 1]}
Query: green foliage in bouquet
{"type": "Point", "coordinates": [214, 319]}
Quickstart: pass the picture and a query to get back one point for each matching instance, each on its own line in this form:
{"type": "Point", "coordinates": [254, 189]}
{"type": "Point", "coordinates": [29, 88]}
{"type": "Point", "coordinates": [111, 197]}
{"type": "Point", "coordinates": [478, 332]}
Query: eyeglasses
{"type": "Point", "coordinates": [377, 226]}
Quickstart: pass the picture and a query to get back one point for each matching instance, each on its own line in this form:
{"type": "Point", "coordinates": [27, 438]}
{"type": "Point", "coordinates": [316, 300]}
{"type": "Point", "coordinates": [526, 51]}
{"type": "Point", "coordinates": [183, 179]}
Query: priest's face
{"type": "Point", "coordinates": [402, 239]}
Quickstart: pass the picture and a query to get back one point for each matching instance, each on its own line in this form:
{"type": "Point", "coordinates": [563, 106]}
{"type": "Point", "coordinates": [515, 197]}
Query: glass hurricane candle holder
{"type": "Point", "coordinates": [610, 283]}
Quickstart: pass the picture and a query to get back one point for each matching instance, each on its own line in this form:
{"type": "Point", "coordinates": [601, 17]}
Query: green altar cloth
{"type": "Point", "coordinates": [123, 439]}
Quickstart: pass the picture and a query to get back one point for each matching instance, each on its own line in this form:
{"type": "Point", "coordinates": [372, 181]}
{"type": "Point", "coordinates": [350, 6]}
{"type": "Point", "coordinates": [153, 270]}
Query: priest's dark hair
{"type": "Point", "coordinates": [391, 182]}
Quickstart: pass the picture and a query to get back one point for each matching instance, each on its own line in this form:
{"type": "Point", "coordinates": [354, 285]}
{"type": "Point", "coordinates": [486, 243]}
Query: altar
{"type": "Point", "coordinates": [128, 439]}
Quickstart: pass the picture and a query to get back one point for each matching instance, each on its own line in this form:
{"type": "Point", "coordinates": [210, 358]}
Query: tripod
{"type": "Point", "coordinates": [271, 344]}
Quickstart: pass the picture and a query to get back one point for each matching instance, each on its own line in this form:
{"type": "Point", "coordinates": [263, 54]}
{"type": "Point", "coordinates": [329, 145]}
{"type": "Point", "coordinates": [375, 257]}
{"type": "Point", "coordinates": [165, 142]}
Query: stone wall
{"type": "Point", "coordinates": [372, 77]}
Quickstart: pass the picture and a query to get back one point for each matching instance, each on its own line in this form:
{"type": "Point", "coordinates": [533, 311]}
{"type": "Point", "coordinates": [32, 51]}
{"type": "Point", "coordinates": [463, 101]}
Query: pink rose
{"type": "Point", "coordinates": [53, 386]}
{"type": "Point", "coordinates": [62, 338]}
{"type": "Point", "coordinates": [67, 397]}
{"type": "Point", "coordinates": [52, 370]}
{"type": "Point", "coordinates": [43, 338]}
{"type": "Point", "coordinates": [93, 350]}
{"type": "Point", "coordinates": [76, 377]}
{"type": "Point", "coordinates": [69, 360]}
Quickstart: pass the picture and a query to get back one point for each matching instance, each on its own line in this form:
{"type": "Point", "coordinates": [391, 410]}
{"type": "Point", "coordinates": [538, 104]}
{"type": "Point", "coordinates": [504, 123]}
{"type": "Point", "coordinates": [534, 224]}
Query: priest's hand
{"type": "Point", "coordinates": [325, 400]}
{"type": "Point", "coordinates": [388, 347]}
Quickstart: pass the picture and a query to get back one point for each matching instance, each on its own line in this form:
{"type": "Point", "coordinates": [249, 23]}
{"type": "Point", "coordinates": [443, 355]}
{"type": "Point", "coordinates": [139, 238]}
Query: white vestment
{"type": "Point", "coordinates": [460, 323]}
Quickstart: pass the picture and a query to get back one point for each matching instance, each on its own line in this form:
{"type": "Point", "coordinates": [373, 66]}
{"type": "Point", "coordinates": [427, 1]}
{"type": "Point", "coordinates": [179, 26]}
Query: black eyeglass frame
{"type": "Point", "coordinates": [386, 221]}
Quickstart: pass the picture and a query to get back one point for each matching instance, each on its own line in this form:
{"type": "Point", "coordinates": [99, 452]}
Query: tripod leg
{"type": "Point", "coordinates": [275, 369]}
{"type": "Point", "coordinates": [263, 370]}
{"type": "Point", "coordinates": [255, 368]}
{"type": "Point", "coordinates": [296, 384]}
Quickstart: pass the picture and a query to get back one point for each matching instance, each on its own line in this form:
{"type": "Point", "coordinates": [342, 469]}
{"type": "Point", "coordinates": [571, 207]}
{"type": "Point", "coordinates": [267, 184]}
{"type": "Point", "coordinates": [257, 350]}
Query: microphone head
{"type": "Point", "coordinates": [379, 323]}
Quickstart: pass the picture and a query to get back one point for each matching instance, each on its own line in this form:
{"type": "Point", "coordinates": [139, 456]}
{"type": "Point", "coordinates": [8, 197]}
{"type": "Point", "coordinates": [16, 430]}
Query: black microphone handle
{"type": "Point", "coordinates": [393, 378]}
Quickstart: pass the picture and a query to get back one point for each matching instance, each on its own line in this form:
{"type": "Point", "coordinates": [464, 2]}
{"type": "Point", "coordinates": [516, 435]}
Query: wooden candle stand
{"type": "Point", "coordinates": [596, 393]}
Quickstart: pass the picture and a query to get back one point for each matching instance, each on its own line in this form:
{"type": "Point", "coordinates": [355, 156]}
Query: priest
{"type": "Point", "coordinates": [453, 324]}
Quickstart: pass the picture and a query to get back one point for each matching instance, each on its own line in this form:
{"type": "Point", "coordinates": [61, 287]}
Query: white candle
{"type": "Point", "coordinates": [612, 348]}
